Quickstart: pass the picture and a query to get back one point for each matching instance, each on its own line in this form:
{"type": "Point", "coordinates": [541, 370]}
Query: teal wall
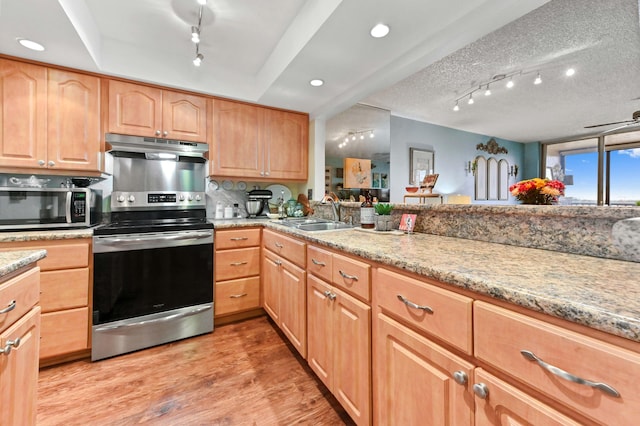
{"type": "Point", "coordinates": [452, 149]}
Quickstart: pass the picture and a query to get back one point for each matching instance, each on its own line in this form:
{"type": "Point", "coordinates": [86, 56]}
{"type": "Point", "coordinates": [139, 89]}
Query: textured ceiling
{"type": "Point", "coordinates": [599, 39]}
{"type": "Point", "coordinates": [267, 51]}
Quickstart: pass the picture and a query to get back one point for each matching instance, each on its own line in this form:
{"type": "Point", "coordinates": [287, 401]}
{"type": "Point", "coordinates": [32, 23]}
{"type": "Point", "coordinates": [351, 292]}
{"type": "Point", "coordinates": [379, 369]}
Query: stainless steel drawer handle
{"type": "Point", "coordinates": [9, 345]}
{"type": "Point", "coordinates": [277, 244]}
{"type": "Point", "coordinates": [238, 263]}
{"type": "Point", "coordinates": [10, 307]}
{"type": "Point", "coordinates": [239, 238]}
{"type": "Point", "coordinates": [237, 296]}
{"type": "Point", "coordinates": [317, 262]}
{"type": "Point", "coordinates": [410, 304]}
{"type": "Point", "coordinates": [568, 376]}
{"type": "Point", "coordinates": [347, 276]}
{"type": "Point", "coordinates": [278, 262]}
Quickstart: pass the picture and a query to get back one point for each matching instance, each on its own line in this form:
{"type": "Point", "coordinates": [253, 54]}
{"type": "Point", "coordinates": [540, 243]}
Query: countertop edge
{"type": "Point", "coordinates": [11, 261]}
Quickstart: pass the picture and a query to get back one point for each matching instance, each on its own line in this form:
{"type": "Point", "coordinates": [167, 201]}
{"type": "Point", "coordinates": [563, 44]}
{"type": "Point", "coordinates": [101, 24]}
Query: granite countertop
{"type": "Point", "coordinates": [11, 261]}
{"type": "Point", "coordinates": [603, 294]}
{"type": "Point", "coordinates": [66, 234]}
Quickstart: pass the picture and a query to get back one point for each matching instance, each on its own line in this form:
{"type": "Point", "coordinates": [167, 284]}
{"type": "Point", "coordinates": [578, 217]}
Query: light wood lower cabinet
{"type": "Point", "coordinates": [284, 287]}
{"type": "Point", "coordinates": [66, 281]}
{"type": "Point", "coordinates": [415, 379]}
{"type": "Point", "coordinates": [339, 346]}
{"type": "Point", "coordinates": [237, 271]}
{"type": "Point", "coordinates": [19, 343]}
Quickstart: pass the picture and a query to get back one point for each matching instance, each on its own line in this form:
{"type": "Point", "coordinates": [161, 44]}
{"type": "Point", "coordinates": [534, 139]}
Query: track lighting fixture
{"type": "Point", "coordinates": [352, 136]}
{"type": "Point", "coordinates": [195, 35]}
{"type": "Point", "coordinates": [468, 94]}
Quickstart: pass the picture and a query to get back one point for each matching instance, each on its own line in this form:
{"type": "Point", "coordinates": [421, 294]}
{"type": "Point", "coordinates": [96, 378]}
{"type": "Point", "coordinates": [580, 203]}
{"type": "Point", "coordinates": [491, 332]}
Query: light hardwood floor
{"type": "Point", "coordinates": [241, 374]}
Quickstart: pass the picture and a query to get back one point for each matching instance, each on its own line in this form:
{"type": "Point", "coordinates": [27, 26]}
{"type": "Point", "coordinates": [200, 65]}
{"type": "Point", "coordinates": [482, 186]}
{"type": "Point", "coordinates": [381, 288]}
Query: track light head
{"type": "Point", "coordinates": [195, 34]}
{"type": "Point", "coordinates": [538, 79]}
{"type": "Point", "coordinates": [198, 60]}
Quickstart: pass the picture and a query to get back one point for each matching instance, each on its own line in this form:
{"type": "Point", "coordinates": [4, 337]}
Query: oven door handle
{"type": "Point", "coordinates": [140, 241]}
{"type": "Point", "coordinates": [156, 320]}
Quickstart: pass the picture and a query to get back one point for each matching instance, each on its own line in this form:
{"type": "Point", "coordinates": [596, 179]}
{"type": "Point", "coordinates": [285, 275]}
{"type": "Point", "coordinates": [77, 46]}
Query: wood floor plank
{"type": "Point", "coordinates": [244, 373]}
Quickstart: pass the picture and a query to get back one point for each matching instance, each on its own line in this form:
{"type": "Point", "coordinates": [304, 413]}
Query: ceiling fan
{"type": "Point", "coordinates": [634, 121]}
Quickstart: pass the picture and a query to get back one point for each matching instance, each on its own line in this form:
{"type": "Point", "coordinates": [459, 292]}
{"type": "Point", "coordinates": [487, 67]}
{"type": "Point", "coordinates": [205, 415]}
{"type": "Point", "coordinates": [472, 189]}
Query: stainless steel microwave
{"type": "Point", "coordinates": [48, 208]}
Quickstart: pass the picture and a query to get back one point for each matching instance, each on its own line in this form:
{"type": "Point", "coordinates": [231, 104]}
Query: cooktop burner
{"type": "Point", "coordinates": [154, 221]}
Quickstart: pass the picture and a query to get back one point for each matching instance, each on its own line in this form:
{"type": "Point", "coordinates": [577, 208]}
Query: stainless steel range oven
{"type": "Point", "coordinates": [153, 263]}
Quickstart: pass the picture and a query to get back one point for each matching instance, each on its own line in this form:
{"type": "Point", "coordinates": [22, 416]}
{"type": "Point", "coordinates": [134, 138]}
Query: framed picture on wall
{"type": "Point", "coordinates": [375, 183]}
{"type": "Point", "coordinates": [420, 164]}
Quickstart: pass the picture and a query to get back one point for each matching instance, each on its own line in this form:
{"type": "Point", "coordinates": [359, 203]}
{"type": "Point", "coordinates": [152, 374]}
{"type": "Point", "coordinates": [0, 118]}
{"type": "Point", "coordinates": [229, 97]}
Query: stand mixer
{"type": "Point", "coordinates": [258, 202]}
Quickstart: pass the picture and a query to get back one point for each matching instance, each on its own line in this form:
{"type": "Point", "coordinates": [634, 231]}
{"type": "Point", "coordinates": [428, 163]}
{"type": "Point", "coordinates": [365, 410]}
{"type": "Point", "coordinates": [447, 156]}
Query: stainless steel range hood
{"type": "Point", "coordinates": [156, 147]}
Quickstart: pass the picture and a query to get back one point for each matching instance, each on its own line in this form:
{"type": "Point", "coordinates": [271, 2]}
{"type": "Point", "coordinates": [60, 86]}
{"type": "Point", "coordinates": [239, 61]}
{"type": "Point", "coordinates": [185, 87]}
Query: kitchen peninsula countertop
{"type": "Point", "coordinates": [603, 294]}
{"type": "Point", "coordinates": [11, 261]}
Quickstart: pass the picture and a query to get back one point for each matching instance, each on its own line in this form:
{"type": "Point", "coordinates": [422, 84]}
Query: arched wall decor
{"type": "Point", "coordinates": [491, 179]}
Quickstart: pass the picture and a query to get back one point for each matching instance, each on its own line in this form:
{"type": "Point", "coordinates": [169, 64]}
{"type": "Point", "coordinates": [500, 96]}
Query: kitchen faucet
{"type": "Point", "coordinates": [335, 208]}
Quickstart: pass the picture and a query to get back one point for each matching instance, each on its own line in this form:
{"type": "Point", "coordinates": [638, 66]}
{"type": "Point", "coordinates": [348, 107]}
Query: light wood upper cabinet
{"type": "Point", "coordinates": [249, 141]}
{"type": "Point", "coordinates": [147, 111]}
{"type": "Point", "coordinates": [51, 118]}
{"type": "Point", "coordinates": [236, 148]}
{"type": "Point", "coordinates": [286, 145]}
{"type": "Point", "coordinates": [23, 105]}
{"type": "Point", "coordinates": [73, 121]}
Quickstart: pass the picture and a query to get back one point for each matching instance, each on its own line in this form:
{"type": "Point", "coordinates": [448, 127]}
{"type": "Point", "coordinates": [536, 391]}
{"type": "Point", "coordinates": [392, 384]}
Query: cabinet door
{"type": "Point", "coordinates": [293, 305]}
{"type": "Point", "coordinates": [287, 145]}
{"type": "Point", "coordinates": [507, 406]}
{"type": "Point", "coordinates": [236, 147]}
{"type": "Point", "coordinates": [73, 141]}
{"type": "Point", "coordinates": [271, 285]}
{"type": "Point", "coordinates": [135, 109]}
{"type": "Point", "coordinates": [414, 382]}
{"type": "Point", "coordinates": [320, 332]}
{"type": "Point", "coordinates": [184, 116]}
{"type": "Point", "coordinates": [352, 356]}
{"type": "Point", "coordinates": [23, 105]}
{"type": "Point", "coordinates": [64, 332]}
{"type": "Point", "coordinates": [19, 371]}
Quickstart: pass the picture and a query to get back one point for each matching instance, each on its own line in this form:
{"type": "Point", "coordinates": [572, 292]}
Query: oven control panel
{"type": "Point", "coordinates": [122, 200]}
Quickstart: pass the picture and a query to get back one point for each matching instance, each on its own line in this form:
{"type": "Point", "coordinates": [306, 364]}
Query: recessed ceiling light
{"type": "Point", "coordinates": [316, 82]}
{"type": "Point", "coordinates": [570, 72]}
{"type": "Point", "coordinates": [379, 31]}
{"type": "Point", "coordinates": [31, 44]}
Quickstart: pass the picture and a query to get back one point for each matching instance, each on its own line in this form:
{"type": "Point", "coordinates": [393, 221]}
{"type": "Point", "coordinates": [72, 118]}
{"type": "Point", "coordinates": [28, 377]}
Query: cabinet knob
{"type": "Point", "coordinates": [481, 390]}
{"type": "Point", "coordinates": [157, 132]}
{"type": "Point", "coordinates": [9, 345]}
{"type": "Point", "coordinates": [51, 163]}
{"type": "Point", "coordinates": [460, 377]}
{"type": "Point", "coordinates": [261, 173]}
{"type": "Point", "coordinates": [41, 162]}
{"type": "Point", "coordinates": [266, 173]}
{"type": "Point", "coordinates": [165, 133]}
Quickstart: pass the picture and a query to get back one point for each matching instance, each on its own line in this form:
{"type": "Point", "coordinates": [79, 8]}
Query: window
{"type": "Point", "coordinates": [576, 163]}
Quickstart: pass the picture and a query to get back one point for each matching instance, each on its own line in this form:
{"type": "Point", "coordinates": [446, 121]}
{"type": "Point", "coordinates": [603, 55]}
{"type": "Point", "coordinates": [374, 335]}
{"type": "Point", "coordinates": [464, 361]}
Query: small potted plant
{"type": "Point", "coordinates": [384, 222]}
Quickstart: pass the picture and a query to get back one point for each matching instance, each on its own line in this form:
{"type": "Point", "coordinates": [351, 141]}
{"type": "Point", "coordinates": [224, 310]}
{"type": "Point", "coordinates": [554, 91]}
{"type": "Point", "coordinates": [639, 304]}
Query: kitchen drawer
{"type": "Point", "coordinates": [450, 318]}
{"type": "Point", "coordinates": [64, 289]}
{"type": "Point", "coordinates": [287, 247]}
{"type": "Point", "coordinates": [352, 276]}
{"type": "Point", "coordinates": [22, 292]}
{"type": "Point", "coordinates": [64, 256]}
{"type": "Point", "coordinates": [237, 238]}
{"type": "Point", "coordinates": [64, 332]}
{"type": "Point", "coordinates": [237, 295]}
{"type": "Point", "coordinates": [237, 263]}
{"type": "Point", "coordinates": [501, 335]}
{"type": "Point", "coordinates": [319, 262]}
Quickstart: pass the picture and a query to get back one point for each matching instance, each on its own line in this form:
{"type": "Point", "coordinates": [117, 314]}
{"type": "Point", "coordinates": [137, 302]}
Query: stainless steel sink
{"type": "Point", "coordinates": [324, 226]}
{"type": "Point", "coordinates": [314, 224]}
